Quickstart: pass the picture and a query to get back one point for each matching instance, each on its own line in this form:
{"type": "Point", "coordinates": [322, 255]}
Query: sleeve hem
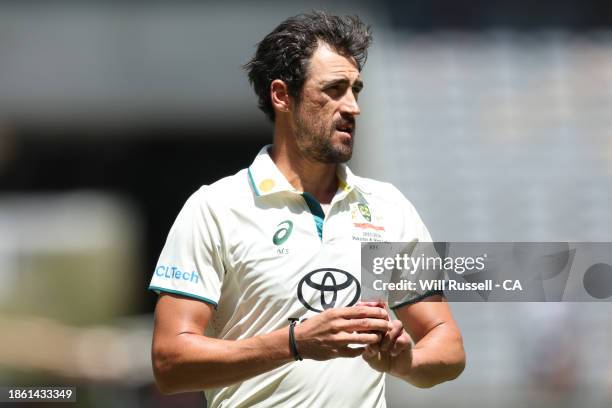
{"type": "Point", "coordinates": [157, 289]}
{"type": "Point", "coordinates": [418, 298]}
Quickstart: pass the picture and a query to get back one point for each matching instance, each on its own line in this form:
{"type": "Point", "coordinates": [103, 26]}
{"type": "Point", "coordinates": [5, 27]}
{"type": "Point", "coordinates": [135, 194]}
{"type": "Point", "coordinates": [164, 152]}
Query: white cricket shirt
{"type": "Point", "coordinates": [262, 253]}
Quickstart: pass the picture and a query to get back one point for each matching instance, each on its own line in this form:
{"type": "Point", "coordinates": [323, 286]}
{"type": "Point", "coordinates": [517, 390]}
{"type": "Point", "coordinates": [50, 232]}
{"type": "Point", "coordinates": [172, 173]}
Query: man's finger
{"type": "Point", "coordinates": [372, 304]}
{"type": "Point", "coordinates": [357, 338]}
{"type": "Point", "coordinates": [360, 312]}
{"type": "Point", "coordinates": [389, 340]}
{"type": "Point", "coordinates": [375, 347]}
{"type": "Point", "coordinates": [402, 343]}
{"type": "Point", "coordinates": [369, 352]}
{"type": "Point", "coordinates": [365, 325]}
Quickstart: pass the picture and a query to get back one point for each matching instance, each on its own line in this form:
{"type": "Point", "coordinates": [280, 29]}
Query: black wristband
{"type": "Point", "coordinates": [292, 344]}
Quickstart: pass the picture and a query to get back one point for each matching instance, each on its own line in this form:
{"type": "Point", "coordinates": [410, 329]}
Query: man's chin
{"type": "Point", "coordinates": [329, 153]}
{"type": "Point", "coordinates": [345, 152]}
{"type": "Point", "coordinates": [338, 156]}
{"type": "Point", "coordinates": [345, 157]}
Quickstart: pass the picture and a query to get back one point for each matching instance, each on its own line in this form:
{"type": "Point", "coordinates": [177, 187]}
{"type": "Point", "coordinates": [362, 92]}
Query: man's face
{"type": "Point", "coordinates": [324, 119]}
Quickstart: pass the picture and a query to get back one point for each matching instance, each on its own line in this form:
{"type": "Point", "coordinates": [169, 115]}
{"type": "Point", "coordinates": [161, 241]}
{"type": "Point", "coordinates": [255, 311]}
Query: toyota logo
{"type": "Point", "coordinates": [328, 282]}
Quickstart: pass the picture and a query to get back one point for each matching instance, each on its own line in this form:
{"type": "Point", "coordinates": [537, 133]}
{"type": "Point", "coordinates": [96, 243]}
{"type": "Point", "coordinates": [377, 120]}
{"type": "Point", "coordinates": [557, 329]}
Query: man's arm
{"type": "Point", "coordinates": [186, 360]}
{"type": "Point", "coordinates": [438, 353]}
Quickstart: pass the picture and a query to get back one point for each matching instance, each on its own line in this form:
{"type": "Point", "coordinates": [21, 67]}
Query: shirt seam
{"type": "Point", "coordinates": [180, 292]}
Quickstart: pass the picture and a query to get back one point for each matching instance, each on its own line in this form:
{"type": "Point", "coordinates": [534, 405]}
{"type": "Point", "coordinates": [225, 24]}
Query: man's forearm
{"type": "Point", "coordinates": [193, 362]}
{"type": "Point", "coordinates": [437, 357]}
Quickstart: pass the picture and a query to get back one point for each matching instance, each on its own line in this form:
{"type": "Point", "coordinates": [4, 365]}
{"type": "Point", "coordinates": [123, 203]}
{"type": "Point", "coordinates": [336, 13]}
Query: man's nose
{"type": "Point", "coordinates": [349, 103]}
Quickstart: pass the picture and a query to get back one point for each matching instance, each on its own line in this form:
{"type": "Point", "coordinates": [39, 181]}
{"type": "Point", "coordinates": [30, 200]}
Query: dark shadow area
{"type": "Point", "coordinates": [426, 15]}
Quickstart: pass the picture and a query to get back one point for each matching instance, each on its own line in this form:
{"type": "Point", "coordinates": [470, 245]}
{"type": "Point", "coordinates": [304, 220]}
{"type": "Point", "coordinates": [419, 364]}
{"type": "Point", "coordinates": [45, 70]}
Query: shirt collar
{"type": "Point", "coordinates": [266, 178]}
{"type": "Point", "coordinates": [349, 181]}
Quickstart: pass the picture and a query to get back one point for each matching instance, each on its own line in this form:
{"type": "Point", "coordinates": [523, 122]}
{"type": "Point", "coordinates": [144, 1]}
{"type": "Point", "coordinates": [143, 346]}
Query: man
{"type": "Point", "coordinates": [259, 280]}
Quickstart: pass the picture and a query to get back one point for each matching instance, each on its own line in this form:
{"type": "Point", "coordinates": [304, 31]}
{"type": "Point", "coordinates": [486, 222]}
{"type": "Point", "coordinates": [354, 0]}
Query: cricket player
{"type": "Point", "coordinates": [259, 280]}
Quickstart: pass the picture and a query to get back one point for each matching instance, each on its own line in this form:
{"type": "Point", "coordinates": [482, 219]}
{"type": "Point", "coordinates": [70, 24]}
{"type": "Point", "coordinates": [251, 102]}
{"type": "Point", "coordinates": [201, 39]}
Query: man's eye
{"type": "Point", "coordinates": [334, 91]}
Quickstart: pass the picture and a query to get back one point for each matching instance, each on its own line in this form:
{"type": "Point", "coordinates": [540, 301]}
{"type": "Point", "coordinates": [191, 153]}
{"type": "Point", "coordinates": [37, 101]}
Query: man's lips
{"type": "Point", "coordinates": [347, 128]}
{"type": "Point", "coordinates": [345, 133]}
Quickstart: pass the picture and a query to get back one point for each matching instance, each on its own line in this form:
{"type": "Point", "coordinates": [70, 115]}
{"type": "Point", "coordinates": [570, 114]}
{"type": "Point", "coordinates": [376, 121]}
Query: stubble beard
{"type": "Point", "coordinates": [314, 140]}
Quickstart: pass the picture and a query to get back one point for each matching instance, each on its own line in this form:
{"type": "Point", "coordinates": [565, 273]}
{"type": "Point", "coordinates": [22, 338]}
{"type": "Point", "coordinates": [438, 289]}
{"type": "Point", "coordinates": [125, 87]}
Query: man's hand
{"type": "Point", "coordinates": [328, 334]}
{"type": "Point", "coordinates": [393, 354]}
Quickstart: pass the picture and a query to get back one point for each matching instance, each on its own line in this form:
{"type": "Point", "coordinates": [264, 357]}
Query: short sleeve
{"type": "Point", "coordinates": [428, 273]}
{"type": "Point", "coordinates": [191, 262]}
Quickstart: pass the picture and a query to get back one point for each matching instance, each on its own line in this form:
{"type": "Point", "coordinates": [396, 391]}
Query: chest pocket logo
{"type": "Point", "coordinates": [282, 234]}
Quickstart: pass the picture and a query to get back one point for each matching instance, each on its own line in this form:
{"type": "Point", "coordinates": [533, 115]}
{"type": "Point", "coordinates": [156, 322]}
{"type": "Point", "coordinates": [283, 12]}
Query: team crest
{"type": "Point", "coordinates": [367, 226]}
{"type": "Point", "coordinates": [365, 211]}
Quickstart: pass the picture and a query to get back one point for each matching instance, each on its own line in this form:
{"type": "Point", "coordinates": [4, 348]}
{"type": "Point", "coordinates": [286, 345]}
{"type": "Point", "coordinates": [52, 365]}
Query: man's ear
{"type": "Point", "coordinates": [279, 92]}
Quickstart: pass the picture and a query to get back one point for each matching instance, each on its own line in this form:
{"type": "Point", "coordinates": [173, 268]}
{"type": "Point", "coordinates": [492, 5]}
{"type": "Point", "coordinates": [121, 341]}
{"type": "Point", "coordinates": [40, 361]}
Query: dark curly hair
{"type": "Point", "coordinates": [285, 52]}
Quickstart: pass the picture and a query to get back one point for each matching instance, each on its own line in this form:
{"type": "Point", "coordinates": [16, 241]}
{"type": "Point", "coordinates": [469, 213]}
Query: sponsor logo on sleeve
{"type": "Point", "coordinates": [174, 273]}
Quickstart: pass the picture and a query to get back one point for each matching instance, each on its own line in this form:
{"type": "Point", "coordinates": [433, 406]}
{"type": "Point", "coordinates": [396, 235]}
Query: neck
{"type": "Point", "coordinates": [318, 179]}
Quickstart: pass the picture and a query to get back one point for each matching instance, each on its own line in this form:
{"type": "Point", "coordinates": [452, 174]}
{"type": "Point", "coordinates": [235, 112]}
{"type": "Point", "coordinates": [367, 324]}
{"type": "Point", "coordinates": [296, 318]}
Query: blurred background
{"type": "Point", "coordinates": [493, 117]}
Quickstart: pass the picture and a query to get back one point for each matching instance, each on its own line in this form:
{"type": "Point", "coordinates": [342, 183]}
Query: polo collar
{"type": "Point", "coordinates": [349, 181]}
{"type": "Point", "coordinates": [265, 178]}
